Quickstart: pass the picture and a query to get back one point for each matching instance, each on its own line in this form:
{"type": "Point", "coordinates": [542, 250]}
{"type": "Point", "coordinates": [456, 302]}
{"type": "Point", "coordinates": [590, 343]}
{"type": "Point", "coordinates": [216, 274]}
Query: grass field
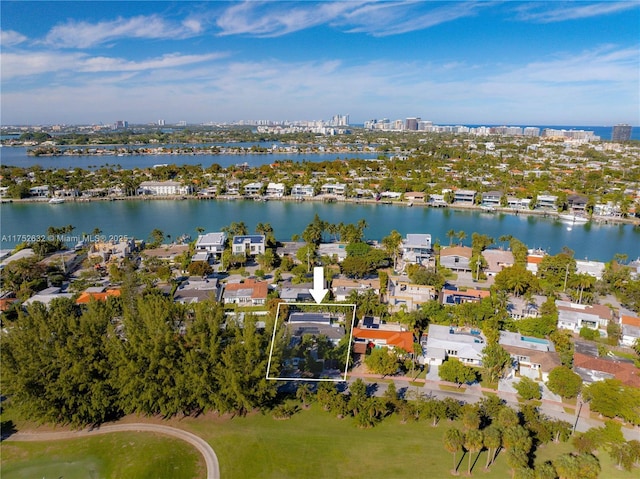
{"type": "Point", "coordinates": [313, 443]}
{"type": "Point", "coordinates": [127, 455]}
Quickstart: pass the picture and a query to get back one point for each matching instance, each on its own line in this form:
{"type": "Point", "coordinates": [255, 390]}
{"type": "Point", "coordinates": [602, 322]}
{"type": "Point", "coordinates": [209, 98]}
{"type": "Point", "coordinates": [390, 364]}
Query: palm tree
{"type": "Point", "coordinates": [492, 441]}
{"type": "Point", "coordinates": [391, 244]}
{"type": "Point", "coordinates": [453, 441]}
{"type": "Point", "coordinates": [451, 234]}
{"type": "Point", "coordinates": [473, 442]}
{"type": "Point", "coordinates": [461, 236]}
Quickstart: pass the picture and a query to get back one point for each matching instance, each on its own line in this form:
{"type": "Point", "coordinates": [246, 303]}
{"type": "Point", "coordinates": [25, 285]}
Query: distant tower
{"type": "Point", "coordinates": [621, 132]}
{"type": "Point", "coordinates": [411, 124]}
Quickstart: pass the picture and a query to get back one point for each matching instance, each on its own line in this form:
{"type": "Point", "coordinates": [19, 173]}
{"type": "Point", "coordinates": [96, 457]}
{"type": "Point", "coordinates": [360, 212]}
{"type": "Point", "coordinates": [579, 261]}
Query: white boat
{"type": "Point", "coordinates": [56, 201]}
{"type": "Point", "coordinates": [572, 218]}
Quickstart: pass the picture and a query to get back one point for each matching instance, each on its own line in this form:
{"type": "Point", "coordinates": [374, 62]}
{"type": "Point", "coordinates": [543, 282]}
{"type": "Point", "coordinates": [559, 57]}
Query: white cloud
{"type": "Point", "coordinates": [171, 60]}
{"type": "Point", "coordinates": [374, 18]}
{"type": "Point", "coordinates": [554, 12]}
{"type": "Point", "coordinates": [85, 35]}
{"type": "Point", "coordinates": [383, 19]}
{"type": "Point", "coordinates": [601, 65]}
{"type": "Point", "coordinates": [25, 64]}
{"type": "Point", "coordinates": [10, 37]}
{"type": "Point", "coordinates": [594, 86]}
{"type": "Point", "coordinates": [277, 18]}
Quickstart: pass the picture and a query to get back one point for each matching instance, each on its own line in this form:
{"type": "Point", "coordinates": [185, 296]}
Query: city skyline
{"type": "Point", "coordinates": [574, 63]}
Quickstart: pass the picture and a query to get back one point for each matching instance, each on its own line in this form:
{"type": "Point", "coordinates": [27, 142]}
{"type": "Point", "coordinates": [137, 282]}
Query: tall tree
{"type": "Point", "coordinates": [391, 246]}
{"type": "Point", "coordinates": [473, 442]}
{"type": "Point", "coordinates": [453, 442]}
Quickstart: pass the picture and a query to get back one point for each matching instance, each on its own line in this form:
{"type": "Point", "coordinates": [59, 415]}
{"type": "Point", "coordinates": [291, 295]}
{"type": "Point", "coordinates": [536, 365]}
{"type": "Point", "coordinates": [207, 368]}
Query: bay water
{"type": "Point", "coordinates": [137, 218]}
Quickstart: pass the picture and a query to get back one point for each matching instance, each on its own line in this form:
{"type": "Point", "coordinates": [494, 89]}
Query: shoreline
{"type": "Point", "coordinates": [600, 220]}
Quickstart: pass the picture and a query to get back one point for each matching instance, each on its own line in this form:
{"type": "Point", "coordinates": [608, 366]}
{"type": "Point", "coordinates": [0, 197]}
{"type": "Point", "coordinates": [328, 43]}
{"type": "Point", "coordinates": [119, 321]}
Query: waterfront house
{"type": "Point", "coordinates": [437, 200]}
{"type": "Point", "coordinates": [338, 189]}
{"type": "Point", "coordinates": [111, 250]}
{"type": "Point", "coordinates": [302, 191]}
{"type": "Point", "coordinates": [546, 202]}
{"type": "Point", "coordinates": [574, 316]}
{"type": "Point", "coordinates": [577, 203]}
{"type": "Point", "coordinates": [456, 258]}
{"type": "Point", "coordinates": [445, 342]}
{"type": "Point", "coordinates": [289, 249]}
{"type": "Point", "coordinates": [212, 243]}
{"type": "Point", "coordinates": [253, 189]}
{"type": "Point", "coordinates": [380, 338]}
{"type": "Point", "coordinates": [249, 245]}
{"type": "Point", "coordinates": [491, 199]}
{"type": "Point", "coordinates": [248, 293]}
{"type": "Point", "coordinates": [416, 248]}
{"type": "Point", "coordinates": [630, 326]}
{"type": "Point", "coordinates": [497, 260]}
{"type": "Point", "coordinates": [402, 294]}
{"type": "Point", "coordinates": [532, 357]}
{"type": "Point", "coordinates": [163, 188]}
{"type": "Point", "coordinates": [275, 190]}
{"type": "Point", "coordinates": [464, 197]}
{"type": "Point", "coordinates": [336, 251]}
{"type": "Point", "coordinates": [534, 258]}
{"type": "Point", "coordinates": [415, 196]}
{"type": "Point", "coordinates": [592, 268]}
{"type": "Point", "coordinates": [167, 253]}
{"type": "Point", "coordinates": [39, 191]}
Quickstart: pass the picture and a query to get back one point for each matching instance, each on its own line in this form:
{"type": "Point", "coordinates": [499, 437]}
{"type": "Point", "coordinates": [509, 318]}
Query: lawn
{"type": "Point", "coordinates": [135, 455]}
{"type": "Point", "coordinates": [313, 443]}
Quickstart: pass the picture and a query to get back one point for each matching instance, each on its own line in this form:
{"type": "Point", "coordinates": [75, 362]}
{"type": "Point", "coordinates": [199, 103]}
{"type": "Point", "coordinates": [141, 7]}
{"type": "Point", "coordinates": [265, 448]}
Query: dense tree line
{"type": "Point", "coordinates": [136, 354]}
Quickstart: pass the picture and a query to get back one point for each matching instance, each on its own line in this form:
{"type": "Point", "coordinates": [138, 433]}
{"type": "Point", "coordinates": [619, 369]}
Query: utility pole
{"type": "Point", "coordinates": [566, 275]}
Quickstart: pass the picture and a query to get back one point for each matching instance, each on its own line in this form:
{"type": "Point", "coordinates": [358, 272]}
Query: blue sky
{"type": "Point", "coordinates": [489, 62]}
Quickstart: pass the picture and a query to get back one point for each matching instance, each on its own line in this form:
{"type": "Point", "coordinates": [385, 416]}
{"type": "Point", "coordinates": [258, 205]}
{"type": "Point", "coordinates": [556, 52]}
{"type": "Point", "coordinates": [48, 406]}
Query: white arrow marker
{"type": "Point", "coordinates": [318, 292]}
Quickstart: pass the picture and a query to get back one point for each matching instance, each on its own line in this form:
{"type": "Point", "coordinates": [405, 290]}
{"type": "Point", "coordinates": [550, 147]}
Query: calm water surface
{"type": "Point", "coordinates": [138, 218]}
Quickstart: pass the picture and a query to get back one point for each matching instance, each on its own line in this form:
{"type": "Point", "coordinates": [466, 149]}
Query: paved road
{"type": "Point", "coordinates": [210, 458]}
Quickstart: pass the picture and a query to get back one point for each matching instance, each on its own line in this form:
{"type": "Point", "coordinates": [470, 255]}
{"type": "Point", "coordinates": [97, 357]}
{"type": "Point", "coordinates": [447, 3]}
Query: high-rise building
{"type": "Point", "coordinates": [621, 132]}
{"type": "Point", "coordinates": [411, 124]}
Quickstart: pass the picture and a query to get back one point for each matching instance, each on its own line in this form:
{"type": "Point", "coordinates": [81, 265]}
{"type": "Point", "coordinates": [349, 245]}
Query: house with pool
{"type": "Point", "coordinates": [532, 357]}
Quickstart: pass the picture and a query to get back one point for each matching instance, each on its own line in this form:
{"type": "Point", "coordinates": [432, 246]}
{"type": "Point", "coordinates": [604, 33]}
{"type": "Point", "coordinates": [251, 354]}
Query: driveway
{"type": "Point", "coordinates": [210, 458]}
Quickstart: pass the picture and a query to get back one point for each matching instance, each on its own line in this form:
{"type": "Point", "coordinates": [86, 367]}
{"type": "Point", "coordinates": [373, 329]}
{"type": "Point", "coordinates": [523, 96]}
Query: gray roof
{"type": "Point", "coordinates": [469, 345]}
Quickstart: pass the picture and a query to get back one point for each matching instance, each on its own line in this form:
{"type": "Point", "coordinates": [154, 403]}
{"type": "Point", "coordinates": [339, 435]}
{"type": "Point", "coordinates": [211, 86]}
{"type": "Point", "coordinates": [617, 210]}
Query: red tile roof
{"type": "Point", "coordinates": [260, 289]}
{"type": "Point", "coordinates": [627, 373]}
{"type": "Point", "coordinates": [85, 297]}
{"type": "Point", "coordinates": [630, 320]}
{"type": "Point", "coordinates": [401, 339]}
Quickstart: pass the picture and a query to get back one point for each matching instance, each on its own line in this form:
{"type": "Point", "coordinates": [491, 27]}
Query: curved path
{"type": "Point", "coordinates": [210, 458]}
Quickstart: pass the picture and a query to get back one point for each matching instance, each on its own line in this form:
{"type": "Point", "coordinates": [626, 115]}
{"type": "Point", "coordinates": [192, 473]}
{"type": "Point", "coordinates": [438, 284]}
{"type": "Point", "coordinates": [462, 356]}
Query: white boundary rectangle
{"type": "Point", "coordinates": [273, 340]}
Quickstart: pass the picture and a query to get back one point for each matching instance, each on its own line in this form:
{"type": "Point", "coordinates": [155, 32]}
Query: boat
{"type": "Point", "coordinates": [56, 201]}
{"type": "Point", "coordinates": [410, 203]}
{"type": "Point", "coordinates": [488, 208]}
{"type": "Point", "coordinates": [573, 218]}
